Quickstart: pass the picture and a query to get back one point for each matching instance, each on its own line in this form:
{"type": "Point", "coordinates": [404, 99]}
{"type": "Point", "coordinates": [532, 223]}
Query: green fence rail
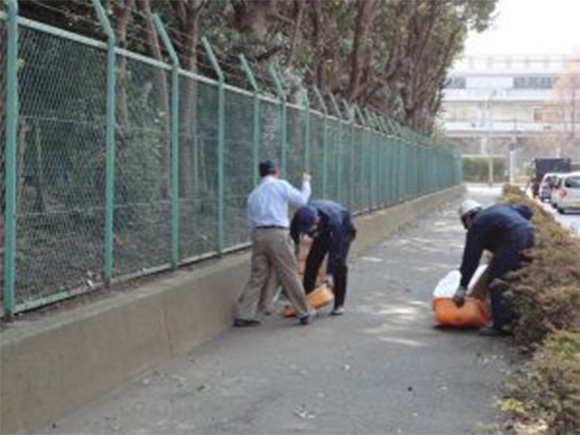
{"type": "Point", "coordinates": [115, 165]}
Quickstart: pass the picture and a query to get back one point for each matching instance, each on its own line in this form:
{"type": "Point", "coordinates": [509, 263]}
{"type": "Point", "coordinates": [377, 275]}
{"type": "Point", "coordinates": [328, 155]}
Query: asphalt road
{"type": "Point", "coordinates": [382, 368]}
{"type": "Point", "coordinates": [570, 220]}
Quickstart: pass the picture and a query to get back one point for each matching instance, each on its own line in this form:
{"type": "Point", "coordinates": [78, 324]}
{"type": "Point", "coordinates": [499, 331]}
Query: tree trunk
{"type": "Point", "coordinates": [363, 25]}
{"type": "Point", "coordinates": [296, 32]}
{"type": "Point", "coordinates": [39, 178]}
{"type": "Point", "coordinates": [21, 169]}
{"type": "Point", "coordinates": [161, 92]}
{"type": "Point", "coordinates": [122, 12]}
{"type": "Point", "coordinates": [317, 43]}
{"type": "Point", "coordinates": [190, 150]}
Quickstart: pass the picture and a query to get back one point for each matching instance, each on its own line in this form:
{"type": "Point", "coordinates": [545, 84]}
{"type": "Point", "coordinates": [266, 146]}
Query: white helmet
{"type": "Point", "coordinates": [469, 206]}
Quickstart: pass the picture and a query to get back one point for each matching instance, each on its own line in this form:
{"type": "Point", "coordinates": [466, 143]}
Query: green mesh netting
{"type": "Point", "coordinates": [61, 163]}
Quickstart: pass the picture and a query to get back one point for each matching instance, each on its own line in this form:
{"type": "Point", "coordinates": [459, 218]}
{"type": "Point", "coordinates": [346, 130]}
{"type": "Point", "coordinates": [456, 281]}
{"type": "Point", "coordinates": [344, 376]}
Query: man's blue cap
{"type": "Point", "coordinates": [267, 167]}
{"type": "Point", "coordinates": [306, 216]}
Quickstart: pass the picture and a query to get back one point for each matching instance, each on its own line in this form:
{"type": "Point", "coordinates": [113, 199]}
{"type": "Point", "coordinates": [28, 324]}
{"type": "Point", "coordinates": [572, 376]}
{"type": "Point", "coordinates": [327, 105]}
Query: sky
{"type": "Point", "coordinates": [530, 27]}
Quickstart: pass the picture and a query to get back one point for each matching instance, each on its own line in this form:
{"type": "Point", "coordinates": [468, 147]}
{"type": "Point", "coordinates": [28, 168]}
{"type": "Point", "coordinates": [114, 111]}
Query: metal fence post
{"type": "Point", "coordinates": [110, 140]}
{"type": "Point", "coordinates": [376, 157]}
{"type": "Point", "coordinates": [379, 145]}
{"type": "Point", "coordinates": [384, 160]}
{"type": "Point", "coordinates": [282, 98]}
{"type": "Point", "coordinates": [174, 168]}
{"type": "Point", "coordinates": [256, 119]}
{"type": "Point", "coordinates": [306, 129]}
{"type": "Point", "coordinates": [365, 147]}
{"type": "Point", "coordinates": [386, 189]}
{"type": "Point", "coordinates": [352, 121]}
{"type": "Point", "coordinates": [415, 171]}
{"type": "Point", "coordinates": [399, 169]}
{"type": "Point", "coordinates": [220, 143]}
{"type": "Point", "coordinates": [391, 140]}
{"type": "Point", "coordinates": [339, 149]}
{"type": "Point", "coordinates": [372, 158]}
{"type": "Point", "coordinates": [324, 142]}
{"type": "Point", "coordinates": [375, 162]}
{"type": "Point", "coordinates": [10, 156]}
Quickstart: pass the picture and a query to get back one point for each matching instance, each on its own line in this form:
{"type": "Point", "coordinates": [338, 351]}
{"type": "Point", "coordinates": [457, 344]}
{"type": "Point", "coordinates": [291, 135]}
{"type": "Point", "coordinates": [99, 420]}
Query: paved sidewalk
{"type": "Point", "coordinates": [381, 368]}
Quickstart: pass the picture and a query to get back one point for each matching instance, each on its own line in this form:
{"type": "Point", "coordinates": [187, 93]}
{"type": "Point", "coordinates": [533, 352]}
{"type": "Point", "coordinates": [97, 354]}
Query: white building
{"type": "Point", "coordinates": [492, 102]}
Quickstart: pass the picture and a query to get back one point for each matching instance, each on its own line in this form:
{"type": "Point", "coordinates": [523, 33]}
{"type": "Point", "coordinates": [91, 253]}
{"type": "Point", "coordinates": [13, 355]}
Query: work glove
{"type": "Point", "coordinates": [459, 296]}
{"type": "Point", "coordinates": [306, 178]}
{"type": "Point", "coordinates": [330, 281]}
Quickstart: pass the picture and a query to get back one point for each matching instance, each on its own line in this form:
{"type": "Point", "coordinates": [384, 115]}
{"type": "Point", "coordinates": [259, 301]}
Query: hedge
{"type": "Point", "coordinates": [476, 168]}
{"type": "Point", "coordinates": [544, 397]}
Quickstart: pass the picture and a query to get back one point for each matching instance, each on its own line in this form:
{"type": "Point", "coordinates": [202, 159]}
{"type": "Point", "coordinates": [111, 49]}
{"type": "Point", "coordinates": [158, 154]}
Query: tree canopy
{"type": "Point", "coordinates": [389, 55]}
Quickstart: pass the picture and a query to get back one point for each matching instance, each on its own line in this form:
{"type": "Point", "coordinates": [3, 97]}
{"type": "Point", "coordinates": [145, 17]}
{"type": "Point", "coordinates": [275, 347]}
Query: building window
{"type": "Point", "coordinates": [456, 83]}
{"type": "Point", "coordinates": [535, 82]}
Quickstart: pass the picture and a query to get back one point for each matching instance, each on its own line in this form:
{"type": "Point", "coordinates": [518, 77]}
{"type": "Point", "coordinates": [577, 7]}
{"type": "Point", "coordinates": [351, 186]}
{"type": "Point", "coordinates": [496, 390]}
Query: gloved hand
{"type": "Point", "coordinates": [306, 177]}
{"type": "Point", "coordinates": [459, 296]}
{"type": "Point", "coordinates": [330, 281]}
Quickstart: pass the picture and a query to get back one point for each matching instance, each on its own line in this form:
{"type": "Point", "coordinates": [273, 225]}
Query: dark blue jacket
{"type": "Point", "coordinates": [336, 225]}
{"type": "Point", "coordinates": [492, 227]}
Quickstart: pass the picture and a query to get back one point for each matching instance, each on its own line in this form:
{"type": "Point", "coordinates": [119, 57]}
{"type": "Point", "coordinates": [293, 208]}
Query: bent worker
{"type": "Point", "coordinates": [330, 226]}
{"type": "Point", "coordinates": [272, 250]}
{"type": "Point", "coordinates": [505, 231]}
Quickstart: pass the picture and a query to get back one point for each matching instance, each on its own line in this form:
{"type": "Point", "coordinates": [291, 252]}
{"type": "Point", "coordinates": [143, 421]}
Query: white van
{"type": "Point", "coordinates": [568, 193]}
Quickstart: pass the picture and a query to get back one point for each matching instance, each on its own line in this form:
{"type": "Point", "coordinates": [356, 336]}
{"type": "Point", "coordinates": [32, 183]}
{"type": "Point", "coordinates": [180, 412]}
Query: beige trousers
{"type": "Point", "coordinates": [273, 262]}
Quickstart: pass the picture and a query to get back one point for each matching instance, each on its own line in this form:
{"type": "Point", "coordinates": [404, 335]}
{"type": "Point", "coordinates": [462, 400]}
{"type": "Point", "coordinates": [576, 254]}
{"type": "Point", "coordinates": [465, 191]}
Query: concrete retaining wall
{"type": "Point", "coordinates": [53, 365]}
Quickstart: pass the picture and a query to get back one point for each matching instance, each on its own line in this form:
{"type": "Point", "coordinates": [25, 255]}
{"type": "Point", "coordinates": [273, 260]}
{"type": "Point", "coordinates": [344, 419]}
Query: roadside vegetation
{"type": "Point", "coordinates": [544, 396]}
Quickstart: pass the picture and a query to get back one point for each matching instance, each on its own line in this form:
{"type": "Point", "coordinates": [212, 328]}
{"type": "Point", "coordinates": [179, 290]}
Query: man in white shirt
{"type": "Point", "coordinates": [272, 249]}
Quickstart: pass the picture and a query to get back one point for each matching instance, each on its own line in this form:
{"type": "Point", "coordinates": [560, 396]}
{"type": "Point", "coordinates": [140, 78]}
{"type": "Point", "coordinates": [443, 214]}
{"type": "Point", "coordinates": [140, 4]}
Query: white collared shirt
{"type": "Point", "coordinates": [268, 202]}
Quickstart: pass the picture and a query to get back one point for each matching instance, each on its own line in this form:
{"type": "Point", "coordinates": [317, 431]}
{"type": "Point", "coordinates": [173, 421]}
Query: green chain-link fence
{"type": "Point", "coordinates": [57, 211]}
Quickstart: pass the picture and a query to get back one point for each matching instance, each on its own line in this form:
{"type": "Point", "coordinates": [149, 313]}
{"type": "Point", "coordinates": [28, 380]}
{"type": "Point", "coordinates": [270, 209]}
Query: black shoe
{"type": "Point", "coordinates": [246, 322]}
{"type": "Point", "coordinates": [305, 320]}
{"type": "Point", "coordinates": [490, 331]}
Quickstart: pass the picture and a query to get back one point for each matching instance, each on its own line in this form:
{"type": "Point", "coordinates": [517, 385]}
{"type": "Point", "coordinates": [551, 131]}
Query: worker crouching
{"type": "Point", "coordinates": [330, 226]}
{"type": "Point", "coordinates": [503, 230]}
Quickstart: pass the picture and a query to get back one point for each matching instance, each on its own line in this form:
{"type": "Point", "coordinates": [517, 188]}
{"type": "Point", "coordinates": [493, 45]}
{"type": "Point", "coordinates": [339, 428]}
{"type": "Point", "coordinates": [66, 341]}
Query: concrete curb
{"type": "Point", "coordinates": [51, 366]}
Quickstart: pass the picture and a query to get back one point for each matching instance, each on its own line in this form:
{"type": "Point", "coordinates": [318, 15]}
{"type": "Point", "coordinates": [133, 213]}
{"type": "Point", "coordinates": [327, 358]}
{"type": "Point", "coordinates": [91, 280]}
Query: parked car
{"type": "Point", "coordinates": [568, 196]}
{"type": "Point", "coordinates": [547, 185]}
{"type": "Point", "coordinates": [543, 165]}
{"type": "Point", "coordinates": [554, 193]}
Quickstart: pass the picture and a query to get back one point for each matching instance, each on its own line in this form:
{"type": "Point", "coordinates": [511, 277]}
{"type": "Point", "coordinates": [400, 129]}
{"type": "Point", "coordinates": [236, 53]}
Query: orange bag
{"type": "Point", "coordinates": [319, 298]}
{"type": "Point", "coordinates": [472, 314]}
{"type": "Point", "coordinates": [322, 295]}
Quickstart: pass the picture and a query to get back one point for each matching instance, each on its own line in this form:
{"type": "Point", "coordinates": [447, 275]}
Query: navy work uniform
{"type": "Point", "coordinates": [332, 234]}
{"type": "Point", "coordinates": [505, 231]}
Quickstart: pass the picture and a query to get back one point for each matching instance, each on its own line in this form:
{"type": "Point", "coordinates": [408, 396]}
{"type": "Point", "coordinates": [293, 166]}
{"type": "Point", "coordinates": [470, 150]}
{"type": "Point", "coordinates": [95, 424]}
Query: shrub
{"type": "Point", "coordinates": [545, 397]}
{"type": "Point", "coordinates": [476, 168]}
{"type": "Point", "coordinates": [547, 394]}
{"type": "Point", "coordinates": [548, 283]}
{"type": "Point", "coordinates": [508, 189]}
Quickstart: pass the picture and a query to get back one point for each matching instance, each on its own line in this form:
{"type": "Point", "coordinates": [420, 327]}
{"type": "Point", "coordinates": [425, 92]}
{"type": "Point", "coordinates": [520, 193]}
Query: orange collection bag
{"type": "Point", "coordinates": [318, 298]}
{"type": "Point", "coordinates": [473, 314]}
{"type": "Point", "coordinates": [323, 294]}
